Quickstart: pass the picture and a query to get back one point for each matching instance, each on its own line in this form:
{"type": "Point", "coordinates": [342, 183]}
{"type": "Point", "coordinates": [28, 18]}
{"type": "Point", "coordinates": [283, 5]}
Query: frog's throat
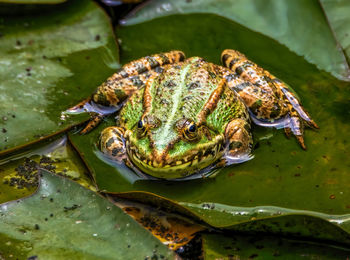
{"type": "Point", "coordinates": [194, 160]}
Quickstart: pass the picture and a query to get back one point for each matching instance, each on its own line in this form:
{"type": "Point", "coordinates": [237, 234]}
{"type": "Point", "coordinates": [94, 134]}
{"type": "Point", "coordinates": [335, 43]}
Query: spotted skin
{"type": "Point", "coordinates": [132, 77]}
{"type": "Point", "coordinates": [239, 137]}
{"type": "Point", "coordinates": [267, 97]}
{"type": "Point", "coordinates": [170, 102]}
{"type": "Point", "coordinates": [112, 143]}
{"type": "Point", "coordinates": [182, 115]}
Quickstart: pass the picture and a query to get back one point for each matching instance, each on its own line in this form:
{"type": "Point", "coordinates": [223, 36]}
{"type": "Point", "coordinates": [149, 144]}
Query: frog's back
{"type": "Point", "coordinates": [183, 89]}
{"type": "Point", "coordinates": [194, 90]}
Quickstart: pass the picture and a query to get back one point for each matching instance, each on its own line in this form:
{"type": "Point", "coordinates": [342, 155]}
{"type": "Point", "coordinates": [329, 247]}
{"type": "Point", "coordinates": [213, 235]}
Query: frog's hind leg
{"type": "Point", "coordinates": [112, 144]}
{"type": "Point", "coordinates": [297, 115]}
{"type": "Point", "coordinates": [132, 76]}
{"type": "Point", "coordinates": [239, 140]}
{"type": "Point", "coordinates": [126, 81]}
{"type": "Point", "coordinates": [267, 97]}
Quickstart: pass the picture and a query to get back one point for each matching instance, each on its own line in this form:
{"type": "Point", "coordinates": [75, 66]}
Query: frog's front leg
{"type": "Point", "coordinates": [112, 144]}
{"type": "Point", "coordinates": [267, 97]}
{"type": "Point", "coordinates": [239, 140]}
{"type": "Point", "coordinates": [129, 79]}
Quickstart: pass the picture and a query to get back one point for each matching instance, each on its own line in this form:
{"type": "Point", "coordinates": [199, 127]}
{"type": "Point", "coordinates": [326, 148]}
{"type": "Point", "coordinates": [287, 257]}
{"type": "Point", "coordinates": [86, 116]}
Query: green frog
{"type": "Point", "coordinates": [181, 115]}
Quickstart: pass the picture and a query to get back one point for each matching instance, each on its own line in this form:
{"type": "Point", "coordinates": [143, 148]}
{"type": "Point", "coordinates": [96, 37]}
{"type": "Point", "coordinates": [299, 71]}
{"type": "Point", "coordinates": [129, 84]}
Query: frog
{"type": "Point", "coordinates": [181, 115]}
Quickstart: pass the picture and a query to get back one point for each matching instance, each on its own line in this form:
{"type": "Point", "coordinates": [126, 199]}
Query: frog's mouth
{"type": "Point", "coordinates": [172, 168]}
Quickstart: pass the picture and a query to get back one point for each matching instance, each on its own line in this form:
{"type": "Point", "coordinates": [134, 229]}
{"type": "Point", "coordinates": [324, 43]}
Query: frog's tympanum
{"type": "Point", "coordinates": [182, 115]}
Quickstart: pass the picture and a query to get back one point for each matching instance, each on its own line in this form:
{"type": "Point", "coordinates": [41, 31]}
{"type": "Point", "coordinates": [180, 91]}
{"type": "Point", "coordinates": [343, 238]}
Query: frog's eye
{"type": "Point", "coordinates": [190, 132]}
{"type": "Point", "coordinates": [192, 128]}
{"type": "Point", "coordinates": [140, 124]}
{"type": "Point", "coordinates": [141, 128]}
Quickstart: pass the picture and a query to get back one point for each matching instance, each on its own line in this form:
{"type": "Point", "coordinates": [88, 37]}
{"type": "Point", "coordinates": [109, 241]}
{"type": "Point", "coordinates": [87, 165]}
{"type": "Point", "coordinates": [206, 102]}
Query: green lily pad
{"type": "Point", "coordinates": [45, 68]}
{"type": "Point", "coordinates": [217, 246]}
{"type": "Point", "coordinates": [19, 171]}
{"type": "Point", "coordinates": [338, 17]}
{"type": "Point", "coordinates": [65, 220]}
{"type": "Point", "coordinates": [300, 25]}
{"type": "Point", "coordinates": [33, 1]}
{"type": "Point", "coordinates": [263, 219]}
{"type": "Point", "coordinates": [282, 177]}
{"type": "Point", "coordinates": [172, 229]}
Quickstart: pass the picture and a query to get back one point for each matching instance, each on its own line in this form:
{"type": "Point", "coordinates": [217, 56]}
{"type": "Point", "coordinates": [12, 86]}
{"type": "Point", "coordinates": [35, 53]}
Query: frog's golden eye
{"type": "Point", "coordinates": [190, 131]}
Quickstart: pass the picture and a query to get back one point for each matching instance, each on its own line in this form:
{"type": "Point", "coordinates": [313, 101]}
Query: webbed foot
{"type": "Point", "coordinates": [95, 119]}
{"type": "Point", "coordinates": [270, 101]}
{"type": "Point", "coordinates": [297, 117]}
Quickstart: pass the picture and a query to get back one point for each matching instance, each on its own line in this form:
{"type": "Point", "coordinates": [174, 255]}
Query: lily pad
{"type": "Point", "coordinates": [217, 246]}
{"type": "Point", "coordinates": [313, 183]}
{"type": "Point", "coordinates": [300, 25]}
{"type": "Point", "coordinates": [69, 221]}
{"type": "Point", "coordinates": [33, 1]}
{"type": "Point", "coordinates": [171, 229]}
{"type": "Point", "coordinates": [263, 219]}
{"type": "Point", "coordinates": [338, 17]}
{"type": "Point", "coordinates": [45, 68]}
{"type": "Point", "coordinates": [19, 171]}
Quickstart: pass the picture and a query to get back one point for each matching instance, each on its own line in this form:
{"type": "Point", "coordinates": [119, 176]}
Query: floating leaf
{"type": "Point", "coordinates": [217, 246]}
{"type": "Point", "coordinates": [300, 25]}
{"type": "Point", "coordinates": [45, 68]}
{"type": "Point", "coordinates": [33, 1]}
{"type": "Point", "coordinates": [281, 176]}
{"type": "Point", "coordinates": [171, 229]}
{"type": "Point", "coordinates": [339, 20]}
{"type": "Point", "coordinates": [19, 171]}
{"type": "Point", "coordinates": [267, 219]}
{"type": "Point", "coordinates": [65, 220]}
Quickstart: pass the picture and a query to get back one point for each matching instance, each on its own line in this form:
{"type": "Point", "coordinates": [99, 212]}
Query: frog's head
{"type": "Point", "coordinates": [172, 148]}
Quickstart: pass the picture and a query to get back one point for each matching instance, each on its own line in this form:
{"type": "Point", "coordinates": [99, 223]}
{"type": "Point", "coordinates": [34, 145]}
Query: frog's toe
{"type": "Point", "coordinates": [295, 126]}
{"type": "Point", "coordinates": [288, 132]}
{"type": "Point", "coordinates": [300, 140]}
{"type": "Point", "coordinates": [111, 143]}
{"type": "Point", "coordinates": [312, 124]}
{"type": "Point", "coordinates": [95, 120]}
{"type": "Point", "coordinates": [80, 105]}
